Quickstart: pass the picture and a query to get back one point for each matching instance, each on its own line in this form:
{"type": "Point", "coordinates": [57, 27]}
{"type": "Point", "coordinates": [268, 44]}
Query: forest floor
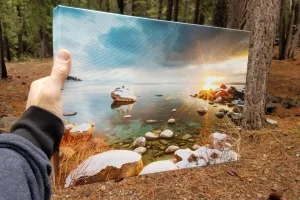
{"type": "Point", "coordinates": [270, 158]}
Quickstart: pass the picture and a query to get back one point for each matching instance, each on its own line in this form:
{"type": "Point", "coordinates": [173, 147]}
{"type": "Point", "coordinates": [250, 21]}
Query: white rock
{"type": "Point", "coordinates": [225, 156]}
{"type": "Point", "coordinates": [171, 149]}
{"type": "Point", "coordinates": [127, 116]}
{"type": "Point", "coordinates": [123, 95]}
{"type": "Point", "coordinates": [151, 136]}
{"type": "Point", "coordinates": [219, 136]}
{"type": "Point", "coordinates": [141, 150]}
{"type": "Point", "coordinates": [159, 166]}
{"type": "Point", "coordinates": [69, 126]}
{"type": "Point", "coordinates": [139, 142]}
{"type": "Point", "coordinates": [183, 154]}
{"type": "Point", "coordinates": [174, 110]}
{"type": "Point", "coordinates": [184, 164]}
{"type": "Point", "coordinates": [272, 122]}
{"type": "Point", "coordinates": [81, 129]}
{"type": "Point", "coordinates": [120, 163]}
{"type": "Point", "coordinates": [166, 134]}
{"type": "Point", "coordinates": [195, 147]}
{"type": "Point", "coordinates": [202, 153]}
{"type": "Point", "coordinates": [171, 121]}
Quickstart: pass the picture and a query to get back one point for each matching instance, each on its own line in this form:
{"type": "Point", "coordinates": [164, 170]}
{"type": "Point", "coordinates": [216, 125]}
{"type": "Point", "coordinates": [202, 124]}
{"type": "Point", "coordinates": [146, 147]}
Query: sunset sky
{"type": "Point", "coordinates": [109, 47]}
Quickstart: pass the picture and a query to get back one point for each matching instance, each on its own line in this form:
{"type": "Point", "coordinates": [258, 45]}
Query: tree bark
{"type": "Point", "coordinates": [196, 13]}
{"type": "Point", "coordinates": [296, 32]}
{"type": "Point", "coordinates": [234, 14]}
{"type": "Point", "coordinates": [176, 7]}
{"type": "Point", "coordinates": [169, 10]}
{"type": "Point", "coordinates": [263, 31]}
{"type": "Point", "coordinates": [221, 13]}
{"type": "Point", "coordinates": [159, 10]}
{"type": "Point", "coordinates": [7, 53]}
{"type": "Point", "coordinates": [186, 11]}
{"type": "Point", "coordinates": [282, 30]}
{"type": "Point", "coordinates": [2, 61]}
{"type": "Point", "coordinates": [121, 6]}
{"type": "Point", "coordinates": [290, 30]}
{"type": "Point", "coordinates": [245, 15]}
{"type": "Point", "coordinates": [129, 7]}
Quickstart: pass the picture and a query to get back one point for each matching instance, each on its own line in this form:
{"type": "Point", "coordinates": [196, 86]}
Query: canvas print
{"type": "Point", "coordinates": [155, 93]}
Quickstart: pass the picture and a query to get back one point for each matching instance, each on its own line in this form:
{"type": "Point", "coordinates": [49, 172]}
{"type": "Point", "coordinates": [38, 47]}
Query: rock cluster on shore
{"type": "Point", "coordinates": [116, 164]}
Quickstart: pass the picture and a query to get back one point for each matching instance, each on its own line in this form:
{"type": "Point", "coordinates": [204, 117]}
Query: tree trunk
{"type": "Point", "coordinates": [99, 4]}
{"type": "Point", "coordinates": [220, 14]}
{"type": "Point", "coordinates": [43, 43]}
{"type": "Point", "coordinates": [7, 53]}
{"type": "Point", "coordinates": [290, 30]}
{"type": "Point", "coordinates": [233, 14]}
{"type": "Point", "coordinates": [169, 10]}
{"type": "Point", "coordinates": [245, 15]}
{"type": "Point", "coordinates": [176, 7]}
{"type": "Point", "coordinates": [129, 7]}
{"type": "Point", "coordinates": [159, 10]}
{"type": "Point", "coordinates": [186, 11]}
{"type": "Point", "coordinates": [196, 14]}
{"type": "Point", "coordinates": [263, 31]}
{"type": "Point", "coordinates": [148, 7]}
{"type": "Point", "coordinates": [107, 5]}
{"type": "Point", "coordinates": [20, 34]}
{"type": "Point", "coordinates": [201, 19]}
{"type": "Point", "coordinates": [296, 33]}
{"type": "Point", "coordinates": [2, 61]}
{"type": "Point", "coordinates": [282, 30]}
{"type": "Point", "coordinates": [121, 6]}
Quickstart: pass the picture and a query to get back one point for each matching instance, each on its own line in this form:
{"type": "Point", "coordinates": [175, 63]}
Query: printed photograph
{"type": "Point", "coordinates": [147, 96]}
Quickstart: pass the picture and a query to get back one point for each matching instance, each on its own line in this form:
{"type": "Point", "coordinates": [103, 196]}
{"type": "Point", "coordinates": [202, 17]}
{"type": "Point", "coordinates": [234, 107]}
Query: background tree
{"type": "Point", "coordinates": [176, 7]}
{"type": "Point", "coordinates": [129, 7]}
{"type": "Point", "coordinates": [169, 10]}
{"type": "Point", "coordinates": [220, 13]}
{"type": "Point", "coordinates": [263, 31]}
{"type": "Point", "coordinates": [121, 6]}
{"type": "Point", "coordinates": [2, 62]}
{"type": "Point", "coordinates": [196, 14]}
{"type": "Point", "coordinates": [160, 7]}
{"type": "Point", "coordinates": [186, 10]}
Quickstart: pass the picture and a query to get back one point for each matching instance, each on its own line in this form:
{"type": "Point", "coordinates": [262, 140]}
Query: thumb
{"type": "Point", "coordinates": [61, 67]}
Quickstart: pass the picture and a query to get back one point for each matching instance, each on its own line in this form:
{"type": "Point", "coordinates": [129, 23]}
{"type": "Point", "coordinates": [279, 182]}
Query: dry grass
{"type": "Point", "coordinates": [74, 150]}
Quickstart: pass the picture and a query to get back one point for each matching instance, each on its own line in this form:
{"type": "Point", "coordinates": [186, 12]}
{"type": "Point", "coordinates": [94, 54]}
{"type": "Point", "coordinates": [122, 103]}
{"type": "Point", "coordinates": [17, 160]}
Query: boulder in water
{"type": "Point", "coordinates": [123, 95]}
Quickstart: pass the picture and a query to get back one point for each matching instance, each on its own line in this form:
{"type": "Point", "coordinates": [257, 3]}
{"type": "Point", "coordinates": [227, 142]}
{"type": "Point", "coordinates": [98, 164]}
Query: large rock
{"type": "Point", "coordinates": [195, 147]}
{"type": "Point", "coordinates": [82, 129]}
{"type": "Point", "coordinates": [151, 136]}
{"type": "Point", "coordinates": [171, 149]}
{"type": "Point", "coordinates": [105, 166]}
{"type": "Point", "coordinates": [159, 166]}
{"type": "Point", "coordinates": [219, 141]}
{"type": "Point", "coordinates": [183, 154]}
{"type": "Point", "coordinates": [273, 99]}
{"type": "Point", "coordinates": [123, 95]}
{"type": "Point", "coordinates": [288, 103]}
{"type": "Point", "coordinates": [139, 142]}
{"type": "Point", "coordinates": [270, 107]}
{"type": "Point", "coordinates": [166, 134]}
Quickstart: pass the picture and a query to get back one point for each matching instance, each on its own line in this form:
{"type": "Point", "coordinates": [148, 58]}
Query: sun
{"type": "Point", "coordinates": [209, 82]}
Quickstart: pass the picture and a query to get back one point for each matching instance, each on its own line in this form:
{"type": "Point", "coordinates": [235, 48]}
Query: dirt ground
{"type": "Point", "coordinates": [270, 159]}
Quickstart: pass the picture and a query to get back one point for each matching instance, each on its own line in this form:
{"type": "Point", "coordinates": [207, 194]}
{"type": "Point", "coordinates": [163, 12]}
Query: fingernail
{"type": "Point", "coordinates": [62, 55]}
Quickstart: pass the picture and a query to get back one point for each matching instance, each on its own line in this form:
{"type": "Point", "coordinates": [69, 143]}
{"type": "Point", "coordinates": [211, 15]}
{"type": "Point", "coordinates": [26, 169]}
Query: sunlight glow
{"type": "Point", "coordinates": [209, 80]}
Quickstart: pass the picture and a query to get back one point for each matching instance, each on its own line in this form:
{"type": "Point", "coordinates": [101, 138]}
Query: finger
{"type": "Point", "coordinates": [61, 67]}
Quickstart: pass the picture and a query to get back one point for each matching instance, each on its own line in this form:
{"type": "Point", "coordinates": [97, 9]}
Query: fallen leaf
{"type": "Point", "coordinates": [233, 172]}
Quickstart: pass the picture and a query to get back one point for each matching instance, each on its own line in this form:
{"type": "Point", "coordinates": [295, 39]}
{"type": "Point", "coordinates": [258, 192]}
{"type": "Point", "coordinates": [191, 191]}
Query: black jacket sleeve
{"type": "Point", "coordinates": [24, 155]}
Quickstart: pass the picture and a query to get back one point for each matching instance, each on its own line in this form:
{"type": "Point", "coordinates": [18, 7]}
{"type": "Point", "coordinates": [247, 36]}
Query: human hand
{"type": "Point", "coordinates": [46, 92]}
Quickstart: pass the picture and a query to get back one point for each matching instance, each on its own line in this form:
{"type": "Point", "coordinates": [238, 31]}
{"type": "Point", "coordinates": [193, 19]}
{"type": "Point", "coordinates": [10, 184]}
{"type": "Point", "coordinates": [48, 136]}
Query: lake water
{"type": "Point", "coordinates": [93, 103]}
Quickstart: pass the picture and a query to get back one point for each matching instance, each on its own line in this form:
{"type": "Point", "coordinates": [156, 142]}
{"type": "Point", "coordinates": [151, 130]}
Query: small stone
{"type": "Point", "coordinates": [186, 137]}
{"type": "Point", "coordinates": [70, 113]}
{"type": "Point", "coordinates": [126, 146]}
{"type": "Point", "coordinates": [195, 147]}
{"type": "Point", "coordinates": [139, 142]}
{"type": "Point", "coordinates": [174, 110]}
{"type": "Point", "coordinates": [272, 122]}
{"type": "Point", "coordinates": [298, 155]}
{"type": "Point", "coordinates": [171, 149]}
{"type": "Point", "coordinates": [157, 132]}
{"type": "Point", "coordinates": [220, 115]}
{"type": "Point", "coordinates": [141, 150]}
{"type": "Point", "coordinates": [248, 195]}
{"type": "Point", "coordinates": [211, 103]}
{"type": "Point", "coordinates": [202, 110]}
{"type": "Point", "coordinates": [191, 140]}
{"type": "Point", "coordinates": [163, 142]}
{"type": "Point", "coordinates": [151, 121]}
{"type": "Point", "coordinates": [166, 134]}
{"type": "Point", "coordinates": [171, 121]}
{"type": "Point", "coordinates": [151, 136]}
{"type": "Point", "coordinates": [127, 116]}
{"type": "Point", "coordinates": [223, 110]}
